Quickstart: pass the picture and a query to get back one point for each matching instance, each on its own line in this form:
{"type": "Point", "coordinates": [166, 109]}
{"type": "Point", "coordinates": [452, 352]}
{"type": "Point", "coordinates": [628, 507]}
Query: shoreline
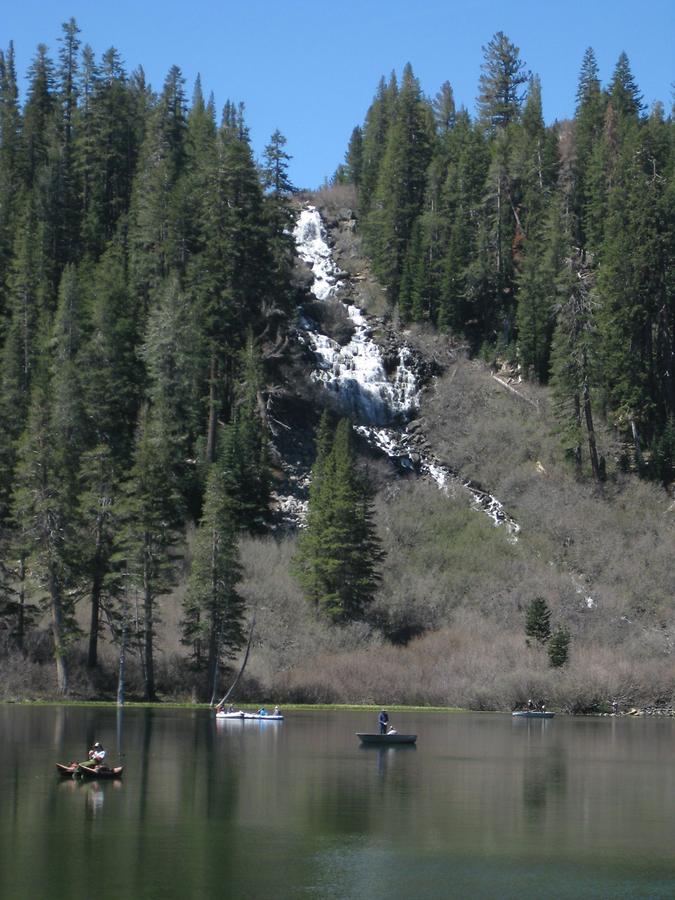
{"type": "Point", "coordinates": [297, 707]}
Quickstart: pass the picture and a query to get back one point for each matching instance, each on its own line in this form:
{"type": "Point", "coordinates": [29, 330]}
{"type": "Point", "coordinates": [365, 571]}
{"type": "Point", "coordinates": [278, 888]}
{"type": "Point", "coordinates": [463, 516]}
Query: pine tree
{"type": "Point", "coordinates": [39, 113]}
{"type": "Point", "coordinates": [43, 512]}
{"type": "Point", "coordinates": [538, 292]}
{"type": "Point", "coordinates": [231, 282]}
{"type": "Point", "coordinates": [11, 168]}
{"type": "Point", "coordinates": [27, 332]}
{"type": "Point", "coordinates": [112, 389]}
{"type": "Point", "coordinates": [156, 230]}
{"type": "Point", "coordinates": [401, 183]}
{"type": "Point", "coordinates": [280, 219]}
{"type": "Point", "coordinates": [214, 611]}
{"type": "Point", "coordinates": [460, 204]}
{"type": "Point", "coordinates": [624, 94]}
{"type": "Point", "coordinates": [534, 163]}
{"type": "Point", "coordinates": [338, 552]}
{"type": "Point", "coordinates": [379, 118]}
{"type": "Point", "coordinates": [68, 89]}
{"type": "Point", "coordinates": [110, 123]}
{"type": "Point", "coordinates": [538, 620]}
{"type": "Point", "coordinates": [97, 523]}
{"type": "Point", "coordinates": [149, 512]}
{"type": "Point", "coordinates": [275, 176]}
{"type": "Point", "coordinates": [503, 75]}
{"type": "Point", "coordinates": [174, 356]}
{"type": "Point", "coordinates": [574, 361]}
{"type": "Point", "coordinates": [632, 288]}
{"type": "Point", "coordinates": [354, 157]}
{"type": "Point", "coordinates": [588, 127]}
{"type": "Point", "coordinates": [558, 647]}
{"type": "Point", "coordinates": [444, 109]}
{"type": "Point", "coordinates": [243, 457]}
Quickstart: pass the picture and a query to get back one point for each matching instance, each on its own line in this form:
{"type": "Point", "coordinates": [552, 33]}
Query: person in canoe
{"type": "Point", "coordinates": [384, 721]}
{"type": "Point", "coordinates": [96, 756]}
{"type": "Point", "coordinates": [262, 711]}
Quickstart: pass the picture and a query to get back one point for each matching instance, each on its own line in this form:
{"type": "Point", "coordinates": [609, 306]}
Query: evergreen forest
{"type": "Point", "coordinates": [551, 246]}
{"type": "Point", "coordinates": [149, 296]}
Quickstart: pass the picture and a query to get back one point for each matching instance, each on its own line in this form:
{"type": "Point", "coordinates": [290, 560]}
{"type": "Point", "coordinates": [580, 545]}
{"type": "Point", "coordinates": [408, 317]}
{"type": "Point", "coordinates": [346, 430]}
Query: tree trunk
{"type": "Point", "coordinates": [122, 662]}
{"type": "Point", "coordinates": [213, 416]}
{"type": "Point", "coordinates": [577, 419]}
{"type": "Point", "coordinates": [636, 443]}
{"type": "Point", "coordinates": [214, 653]}
{"type": "Point", "coordinates": [94, 618]}
{"type": "Point", "coordinates": [149, 629]}
{"type": "Point", "coordinates": [243, 665]}
{"type": "Point", "coordinates": [592, 448]}
{"type": "Point", "coordinates": [21, 623]}
{"type": "Point", "coordinates": [57, 632]}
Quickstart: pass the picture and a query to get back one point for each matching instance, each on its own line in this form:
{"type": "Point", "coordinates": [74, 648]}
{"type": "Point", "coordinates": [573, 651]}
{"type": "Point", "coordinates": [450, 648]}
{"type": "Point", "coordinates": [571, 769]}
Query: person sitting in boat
{"type": "Point", "coordinates": [277, 711]}
{"type": "Point", "coordinates": [97, 754]}
{"type": "Point", "coordinates": [231, 708]}
{"type": "Point", "coordinates": [530, 705]}
{"type": "Point", "coordinates": [262, 711]}
{"type": "Point", "coordinates": [391, 730]}
{"type": "Point", "coordinates": [384, 721]}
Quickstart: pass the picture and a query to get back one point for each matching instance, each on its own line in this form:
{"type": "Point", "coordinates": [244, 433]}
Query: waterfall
{"type": "Point", "coordinates": [355, 371]}
{"type": "Point", "coordinates": [381, 405]}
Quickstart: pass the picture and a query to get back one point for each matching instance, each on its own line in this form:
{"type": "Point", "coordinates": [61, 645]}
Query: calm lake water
{"type": "Point", "coordinates": [484, 806]}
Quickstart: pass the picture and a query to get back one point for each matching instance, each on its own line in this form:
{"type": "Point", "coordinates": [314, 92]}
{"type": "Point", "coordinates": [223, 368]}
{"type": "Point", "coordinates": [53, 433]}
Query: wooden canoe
{"type": "Point", "coordinates": [384, 739]}
{"type": "Point", "coordinates": [100, 771]}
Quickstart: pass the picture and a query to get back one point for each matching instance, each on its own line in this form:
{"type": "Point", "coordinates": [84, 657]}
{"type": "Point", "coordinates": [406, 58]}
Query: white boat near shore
{"type": "Point", "coordinates": [242, 716]}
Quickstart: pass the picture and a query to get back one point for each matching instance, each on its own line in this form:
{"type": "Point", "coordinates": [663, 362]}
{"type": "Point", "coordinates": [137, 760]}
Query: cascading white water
{"type": "Point", "coordinates": [356, 373]}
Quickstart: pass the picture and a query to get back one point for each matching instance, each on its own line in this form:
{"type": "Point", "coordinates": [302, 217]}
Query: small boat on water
{"type": "Point", "coordinates": [383, 739]}
{"type": "Point", "coordinates": [89, 771]}
{"type": "Point", "coordinates": [532, 714]}
{"type": "Point", "coordinates": [270, 717]}
{"type": "Point", "coordinates": [100, 771]}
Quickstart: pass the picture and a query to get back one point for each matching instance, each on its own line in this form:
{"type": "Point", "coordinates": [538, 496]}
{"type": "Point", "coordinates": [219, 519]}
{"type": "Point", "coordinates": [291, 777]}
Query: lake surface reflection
{"type": "Point", "coordinates": [483, 806]}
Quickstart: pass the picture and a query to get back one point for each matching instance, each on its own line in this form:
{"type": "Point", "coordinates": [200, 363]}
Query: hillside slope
{"type": "Point", "coordinates": [448, 623]}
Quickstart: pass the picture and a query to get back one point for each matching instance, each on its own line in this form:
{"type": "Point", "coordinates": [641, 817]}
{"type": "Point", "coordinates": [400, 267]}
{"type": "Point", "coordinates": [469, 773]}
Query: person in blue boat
{"type": "Point", "coordinates": [384, 721]}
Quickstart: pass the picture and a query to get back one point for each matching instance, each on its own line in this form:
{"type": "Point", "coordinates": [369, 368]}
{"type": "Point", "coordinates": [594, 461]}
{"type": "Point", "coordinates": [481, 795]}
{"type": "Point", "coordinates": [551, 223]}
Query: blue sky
{"type": "Point", "coordinates": [311, 68]}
